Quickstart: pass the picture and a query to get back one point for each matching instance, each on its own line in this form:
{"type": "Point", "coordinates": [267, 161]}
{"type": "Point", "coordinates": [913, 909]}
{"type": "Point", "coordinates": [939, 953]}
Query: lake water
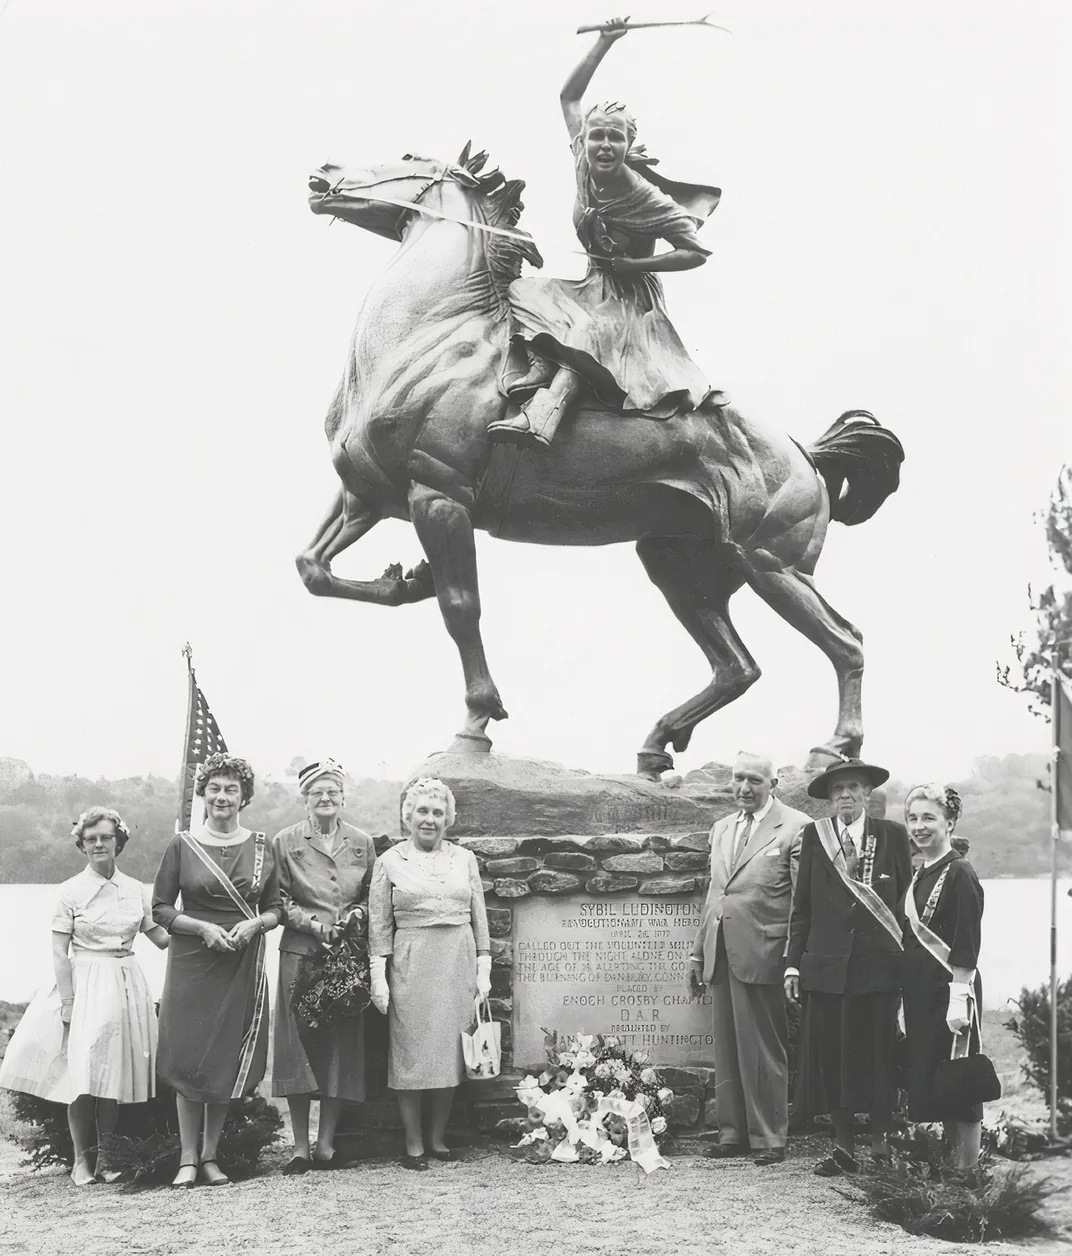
{"type": "Point", "coordinates": [1016, 940]}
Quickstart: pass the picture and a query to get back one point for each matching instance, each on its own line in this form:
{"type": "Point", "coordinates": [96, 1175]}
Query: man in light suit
{"type": "Point", "coordinates": [740, 953]}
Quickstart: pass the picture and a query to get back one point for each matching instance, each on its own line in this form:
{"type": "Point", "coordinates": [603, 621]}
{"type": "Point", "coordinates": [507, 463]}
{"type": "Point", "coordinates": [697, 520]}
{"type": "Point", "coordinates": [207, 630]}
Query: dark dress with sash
{"type": "Point", "coordinates": [850, 966]}
{"type": "Point", "coordinates": [957, 920]}
{"type": "Point", "coordinates": [213, 1016]}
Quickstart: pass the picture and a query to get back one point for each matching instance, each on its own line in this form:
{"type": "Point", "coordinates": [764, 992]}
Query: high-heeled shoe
{"type": "Point", "coordinates": [219, 1178]}
{"type": "Point", "coordinates": [186, 1183]}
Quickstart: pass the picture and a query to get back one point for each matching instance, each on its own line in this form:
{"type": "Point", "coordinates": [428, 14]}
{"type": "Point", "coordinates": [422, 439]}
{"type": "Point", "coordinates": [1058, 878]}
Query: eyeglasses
{"type": "Point", "coordinates": [333, 794]}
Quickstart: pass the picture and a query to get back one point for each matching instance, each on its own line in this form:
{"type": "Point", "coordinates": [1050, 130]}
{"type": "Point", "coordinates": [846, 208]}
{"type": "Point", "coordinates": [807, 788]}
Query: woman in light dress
{"type": "Point", "coordinates": [89, 1040]}
{"type": "Point", "coordinates": [430, 956]}
{"type": "Point", "coordinates": [325, 866]}
{"type": "Point", "coordinates": [214, 1011]}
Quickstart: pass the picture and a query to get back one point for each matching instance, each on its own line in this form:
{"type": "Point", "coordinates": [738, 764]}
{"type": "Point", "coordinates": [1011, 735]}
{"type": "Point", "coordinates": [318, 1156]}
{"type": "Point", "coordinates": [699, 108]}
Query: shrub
{"type": "Point", "coordinates": [919, 1190]}
{"type": "Point", "coordinates": [1031, 1025]}
{"type": "Point", "coordinates": [146, 1142]}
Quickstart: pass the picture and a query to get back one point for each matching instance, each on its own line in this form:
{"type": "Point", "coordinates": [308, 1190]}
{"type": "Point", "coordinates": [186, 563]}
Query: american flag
{"type": "Point", "coordinates": [203, 738]}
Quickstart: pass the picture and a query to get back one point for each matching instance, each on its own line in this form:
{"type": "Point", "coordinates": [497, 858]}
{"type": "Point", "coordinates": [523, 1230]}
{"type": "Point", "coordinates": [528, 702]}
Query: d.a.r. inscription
{"type": "Point", "coordinates": [609, 966]}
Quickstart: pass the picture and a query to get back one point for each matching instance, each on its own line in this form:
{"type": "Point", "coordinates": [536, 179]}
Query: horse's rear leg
{"type": "Point", "coordinates": [793, 595]}
{"type": "Point", "coordinates": [698, 584]}
{"type": "Point", "coordinates": [445, 530]}
{"type": "Point", "coordinates": [347, 521]}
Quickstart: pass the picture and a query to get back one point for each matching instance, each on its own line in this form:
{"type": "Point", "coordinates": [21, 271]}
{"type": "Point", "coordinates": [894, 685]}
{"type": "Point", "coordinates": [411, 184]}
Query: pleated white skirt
{"type": "Point", "coordinates": [109, 1050]}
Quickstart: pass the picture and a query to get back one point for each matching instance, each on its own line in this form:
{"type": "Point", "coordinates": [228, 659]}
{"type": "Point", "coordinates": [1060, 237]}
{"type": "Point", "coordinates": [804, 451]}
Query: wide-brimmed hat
{"type": "Point", "coordinates": [819, 786]}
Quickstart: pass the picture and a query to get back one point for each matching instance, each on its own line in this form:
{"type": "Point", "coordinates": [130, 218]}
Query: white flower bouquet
{"type": "Point", "coordinates": [595, 1103]}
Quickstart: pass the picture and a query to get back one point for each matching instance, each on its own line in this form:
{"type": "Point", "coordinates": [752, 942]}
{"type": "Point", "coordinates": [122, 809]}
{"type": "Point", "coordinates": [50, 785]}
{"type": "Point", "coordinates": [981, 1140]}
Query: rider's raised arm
{"type": "Point", "coordinates": [577, 84]}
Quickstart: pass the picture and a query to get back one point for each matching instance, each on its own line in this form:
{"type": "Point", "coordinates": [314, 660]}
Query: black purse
{"type": "Point", "coordinates": [965, 1080]}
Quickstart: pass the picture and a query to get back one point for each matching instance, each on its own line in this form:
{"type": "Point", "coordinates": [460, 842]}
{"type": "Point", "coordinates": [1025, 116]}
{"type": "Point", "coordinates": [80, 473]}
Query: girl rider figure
{"type": "Point", "coordinates": [609, 329]}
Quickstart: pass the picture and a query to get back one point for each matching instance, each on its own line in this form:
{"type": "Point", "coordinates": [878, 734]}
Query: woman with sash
{"type": "Point", "coordinates": [942, 992]}
{"type": "Point", "coordinates": [214, 1011]}
{"type": "Point", "coordinates": [89, 1039]}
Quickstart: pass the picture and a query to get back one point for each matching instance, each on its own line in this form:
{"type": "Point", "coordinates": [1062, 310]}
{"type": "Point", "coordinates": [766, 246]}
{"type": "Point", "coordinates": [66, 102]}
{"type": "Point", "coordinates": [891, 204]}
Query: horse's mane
{"type": "Point", "coordinates": [502, 206]}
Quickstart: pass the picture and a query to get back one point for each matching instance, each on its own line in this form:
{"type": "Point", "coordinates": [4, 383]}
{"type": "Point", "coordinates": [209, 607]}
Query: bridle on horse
{"type": "Point", "coordinates": [416, 206]}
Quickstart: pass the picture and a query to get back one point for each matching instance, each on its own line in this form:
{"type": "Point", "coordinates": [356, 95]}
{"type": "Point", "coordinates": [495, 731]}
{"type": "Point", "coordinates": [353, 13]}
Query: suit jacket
{"type": "Point", "coordinates": [834, 941]}
{"type": "Point", "coordinates": [747, 907]}
{"type": "Point", "coordinates": [313, 884]}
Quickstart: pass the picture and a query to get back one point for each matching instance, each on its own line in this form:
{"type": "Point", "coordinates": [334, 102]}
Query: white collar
{"type": "Point", "coordinates": [757, 816]}
{"type": "Point", "coordinates": [207, 837]}
{"type": "Point", "coordinates": [95, 879]}
{"type": "Point", "coordinates": [856, 829]}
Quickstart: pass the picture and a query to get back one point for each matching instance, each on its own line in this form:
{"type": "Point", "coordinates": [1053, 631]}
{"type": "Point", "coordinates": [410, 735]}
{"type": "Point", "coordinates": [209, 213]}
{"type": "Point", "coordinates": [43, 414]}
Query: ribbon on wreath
{"type": "Point", "coordinates": [557, 1108]}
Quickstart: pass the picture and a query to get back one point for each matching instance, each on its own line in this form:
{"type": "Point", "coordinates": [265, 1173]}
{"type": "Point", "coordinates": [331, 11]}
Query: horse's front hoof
{"type": "Point", "coordinates": [651, 764]}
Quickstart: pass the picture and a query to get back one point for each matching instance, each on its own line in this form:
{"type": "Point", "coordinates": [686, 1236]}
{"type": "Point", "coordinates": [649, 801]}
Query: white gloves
{"type": "Point", "coordinates": [483, 975]}
{"type": "Point", "coordinates": [958, 1017]}
{"type": "Point", "coordinates": [381, 994]}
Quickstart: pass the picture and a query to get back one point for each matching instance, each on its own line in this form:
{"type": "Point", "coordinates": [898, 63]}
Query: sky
{"type": "Point", "coordinates": [893, 235]}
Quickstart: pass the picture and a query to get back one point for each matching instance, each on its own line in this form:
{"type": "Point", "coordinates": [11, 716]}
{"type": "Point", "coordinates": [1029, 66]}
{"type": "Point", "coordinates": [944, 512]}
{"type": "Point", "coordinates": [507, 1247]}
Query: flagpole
{"type": "Point", "coordinates": [1055, 834]}
{"type": "Point", "coordinates": [188, 655]}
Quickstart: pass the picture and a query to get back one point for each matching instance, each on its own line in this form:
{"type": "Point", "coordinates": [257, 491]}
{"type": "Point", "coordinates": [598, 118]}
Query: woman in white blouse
{"type": "Point", "coordinates": [89, 1040]}
{"type": "Point", "coordinates": [427, 917]}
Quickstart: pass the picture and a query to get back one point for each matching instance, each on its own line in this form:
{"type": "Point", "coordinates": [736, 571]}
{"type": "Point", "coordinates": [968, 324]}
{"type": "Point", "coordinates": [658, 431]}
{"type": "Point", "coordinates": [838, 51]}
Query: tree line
{"type": "Point", "coordinates": [36, 817]}
{"type": "Point", "coordinates": [1006, 818]}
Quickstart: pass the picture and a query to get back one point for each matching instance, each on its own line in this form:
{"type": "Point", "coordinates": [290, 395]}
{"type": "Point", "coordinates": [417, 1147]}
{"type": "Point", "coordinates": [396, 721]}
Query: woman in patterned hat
{"type": "Point", "coordinates": [427, 919]}
{"type": "Point", "coordinates": [214, 1011]}
{"type": "Point", "coordinates": [89, 1040]}
{"type": "Point", "coordinates": [325, 866]}
{"type": "Point", "coordinates": [941, 988]}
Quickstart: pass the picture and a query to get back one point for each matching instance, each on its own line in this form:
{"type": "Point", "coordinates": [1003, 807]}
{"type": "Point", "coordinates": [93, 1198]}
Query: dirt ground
{"type": "Point", "coordinates": [488, 1204]}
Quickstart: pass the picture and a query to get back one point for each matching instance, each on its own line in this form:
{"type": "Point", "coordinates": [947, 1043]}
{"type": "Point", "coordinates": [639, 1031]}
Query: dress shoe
{"type": "Point", "coordinates": [727, 1151]}
{"type": "Point", "coordinates": [445, 1154]}
{"type": "Point", "coordinates": [837, 1163]}
{"type": "Point", "coordinates": [418, 1163]}
{"type": "Point", "coordinates": [296, 1166]}
{"type": "Point", "coordinates": [770, 1155]}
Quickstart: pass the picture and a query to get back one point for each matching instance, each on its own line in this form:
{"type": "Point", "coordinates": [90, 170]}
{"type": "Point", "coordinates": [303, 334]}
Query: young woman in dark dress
{"type": "Point", "coordinates": [941, 987]}
{"type": "Point", "coordinates": [214, 1010]}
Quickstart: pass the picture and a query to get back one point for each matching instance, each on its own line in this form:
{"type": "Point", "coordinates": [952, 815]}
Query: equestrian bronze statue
{"type": "Point", "coordinates": [569, 413]}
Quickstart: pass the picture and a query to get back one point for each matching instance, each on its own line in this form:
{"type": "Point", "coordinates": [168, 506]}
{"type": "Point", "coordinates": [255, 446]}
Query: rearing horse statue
{"type": "Point", "coordinates": [712, 499]}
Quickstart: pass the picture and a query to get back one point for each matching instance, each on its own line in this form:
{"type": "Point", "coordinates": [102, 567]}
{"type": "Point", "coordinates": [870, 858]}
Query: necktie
{"type": "Point", "coordinates": [848, 849]}
{"type": "Point", "coordinates": [744, 832]}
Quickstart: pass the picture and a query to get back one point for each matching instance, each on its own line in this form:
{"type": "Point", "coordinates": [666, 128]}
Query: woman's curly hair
{"type": "Point", "coordinates": [946, 798]}
{"type": "Point", "coordinates": [427, 787]}
{"type": "Point", "coordinates": [94, 815]}
{"type": "Point", "coordinates": [222, 764]}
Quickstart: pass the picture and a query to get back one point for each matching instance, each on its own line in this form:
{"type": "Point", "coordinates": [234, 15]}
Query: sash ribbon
{"type": "Point", "coordinates": [863, 894]}
{"type": "Point", "coordinates": [260, 977]}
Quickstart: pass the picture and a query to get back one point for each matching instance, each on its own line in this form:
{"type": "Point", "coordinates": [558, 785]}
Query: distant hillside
{"type": "Point", "coordinates": [1006, 817]}
{"type": "Point", "coordinates": [36, 816]}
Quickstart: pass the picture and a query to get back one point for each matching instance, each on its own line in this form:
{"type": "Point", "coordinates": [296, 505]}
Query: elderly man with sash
{"type": "Point", "coordinates": [845, 955]}
{"type": "Point", "coordinates": [740, 953]}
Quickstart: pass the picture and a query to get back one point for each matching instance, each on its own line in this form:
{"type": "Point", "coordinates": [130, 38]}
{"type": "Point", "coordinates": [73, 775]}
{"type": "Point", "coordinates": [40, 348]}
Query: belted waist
{"type": "Point", "coordinates": [92, 952]}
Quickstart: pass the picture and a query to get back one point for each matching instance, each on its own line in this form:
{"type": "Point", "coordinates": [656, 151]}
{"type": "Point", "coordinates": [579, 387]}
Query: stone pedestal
{"type": "Point", "coordinates": [594, 886]}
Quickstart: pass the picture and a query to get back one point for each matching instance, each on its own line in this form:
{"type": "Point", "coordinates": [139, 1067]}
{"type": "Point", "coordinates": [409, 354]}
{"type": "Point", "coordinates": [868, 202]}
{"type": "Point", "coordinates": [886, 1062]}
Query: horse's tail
{"type": "Point", "coordinates": [861, 463]}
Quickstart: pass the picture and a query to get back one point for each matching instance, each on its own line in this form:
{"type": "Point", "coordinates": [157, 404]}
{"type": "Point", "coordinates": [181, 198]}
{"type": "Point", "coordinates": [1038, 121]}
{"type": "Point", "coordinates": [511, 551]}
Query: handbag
{"type": "Point", "coordinates": [965, 1080]}
{"type": "Point", "coordinates": [482, 1049]}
